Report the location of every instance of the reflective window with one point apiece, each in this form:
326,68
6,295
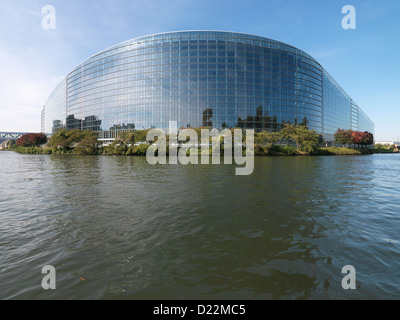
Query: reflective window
201,78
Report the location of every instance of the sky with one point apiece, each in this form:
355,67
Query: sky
365,61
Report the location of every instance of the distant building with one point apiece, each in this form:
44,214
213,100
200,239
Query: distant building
396,143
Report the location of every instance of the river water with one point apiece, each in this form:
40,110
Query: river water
119,228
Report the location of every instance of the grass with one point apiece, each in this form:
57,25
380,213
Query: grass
326,151
384,150
350,151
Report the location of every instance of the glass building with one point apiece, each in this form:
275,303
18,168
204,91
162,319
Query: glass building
201,79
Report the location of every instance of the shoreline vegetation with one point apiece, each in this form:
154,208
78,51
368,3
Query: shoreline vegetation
292,140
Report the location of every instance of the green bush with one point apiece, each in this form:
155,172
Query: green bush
115,150
343,151
260,150
383,150
289,150
140,150
32,150
273,150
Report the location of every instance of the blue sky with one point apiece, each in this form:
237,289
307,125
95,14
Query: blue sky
364,61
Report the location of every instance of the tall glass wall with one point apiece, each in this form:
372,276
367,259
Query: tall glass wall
354,116
336,107
197,78
340,111
365,123
54,110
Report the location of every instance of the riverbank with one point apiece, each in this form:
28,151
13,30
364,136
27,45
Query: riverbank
269,150
291,140
340,151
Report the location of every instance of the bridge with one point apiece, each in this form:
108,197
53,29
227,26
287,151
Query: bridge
14,135
17,135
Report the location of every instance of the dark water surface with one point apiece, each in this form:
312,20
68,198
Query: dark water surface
136,231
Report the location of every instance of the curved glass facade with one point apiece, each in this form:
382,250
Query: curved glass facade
199,78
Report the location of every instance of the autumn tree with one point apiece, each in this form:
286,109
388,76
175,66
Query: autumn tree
343,136
367,138
362,138
32,140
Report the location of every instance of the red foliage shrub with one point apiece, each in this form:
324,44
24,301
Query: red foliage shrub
32,140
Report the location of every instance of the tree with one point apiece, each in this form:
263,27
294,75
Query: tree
32,140
121,143
140,135
304,138
367,138
357,137
84,140
289,132
264,137
310,141
343,136
58,139
88,144
124,138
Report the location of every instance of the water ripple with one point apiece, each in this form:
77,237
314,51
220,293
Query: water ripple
135,231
